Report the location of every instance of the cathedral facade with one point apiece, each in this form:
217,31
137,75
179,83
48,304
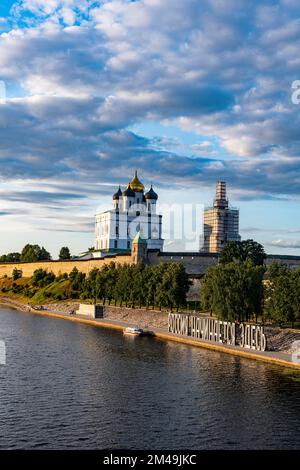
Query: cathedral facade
133,212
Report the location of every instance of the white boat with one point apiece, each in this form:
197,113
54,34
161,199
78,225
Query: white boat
133,331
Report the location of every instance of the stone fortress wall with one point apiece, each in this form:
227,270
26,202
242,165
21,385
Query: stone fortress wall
60,267
196,264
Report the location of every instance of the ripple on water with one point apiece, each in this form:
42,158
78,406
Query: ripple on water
69,386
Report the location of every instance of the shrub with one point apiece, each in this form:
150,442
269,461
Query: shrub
17,274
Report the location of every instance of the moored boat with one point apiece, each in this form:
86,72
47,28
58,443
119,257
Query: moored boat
133,331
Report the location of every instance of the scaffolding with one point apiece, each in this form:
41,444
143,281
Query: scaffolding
221,222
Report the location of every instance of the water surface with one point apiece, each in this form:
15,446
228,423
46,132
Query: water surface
69,385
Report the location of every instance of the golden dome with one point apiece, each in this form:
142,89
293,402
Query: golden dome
136,184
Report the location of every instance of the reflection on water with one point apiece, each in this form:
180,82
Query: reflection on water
69,385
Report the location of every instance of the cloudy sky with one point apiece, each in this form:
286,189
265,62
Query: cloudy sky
188,92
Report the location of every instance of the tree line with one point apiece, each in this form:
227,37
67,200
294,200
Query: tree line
32,253
241,288
164,285
282,294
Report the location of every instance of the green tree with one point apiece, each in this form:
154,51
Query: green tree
243,250
137,293
11,258
282,294
92,286
42,278
296,294
233,291
150,285
73,275
77,280
207,290
17,274
162,284
64,253
108,280
101,284
32,253
181,285
123,284
176,284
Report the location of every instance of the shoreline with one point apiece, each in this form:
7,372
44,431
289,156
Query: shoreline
15,304
274,358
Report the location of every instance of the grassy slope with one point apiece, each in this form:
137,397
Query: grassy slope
57,290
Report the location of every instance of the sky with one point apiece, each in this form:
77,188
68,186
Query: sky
187,92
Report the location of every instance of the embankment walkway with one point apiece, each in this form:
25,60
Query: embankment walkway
275,358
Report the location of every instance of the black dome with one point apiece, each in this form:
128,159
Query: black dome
129,192
151,194
118,194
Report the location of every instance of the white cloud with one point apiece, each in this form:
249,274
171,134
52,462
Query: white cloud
286,243
78,76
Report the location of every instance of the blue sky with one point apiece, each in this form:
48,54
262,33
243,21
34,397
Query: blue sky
187,92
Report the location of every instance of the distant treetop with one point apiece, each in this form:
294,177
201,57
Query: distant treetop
32,253
64,253
243,250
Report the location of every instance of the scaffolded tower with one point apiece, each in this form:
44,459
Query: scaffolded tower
221,223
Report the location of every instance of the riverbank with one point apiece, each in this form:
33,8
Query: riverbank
272,357
16,304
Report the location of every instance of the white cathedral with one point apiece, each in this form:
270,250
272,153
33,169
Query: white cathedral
134,211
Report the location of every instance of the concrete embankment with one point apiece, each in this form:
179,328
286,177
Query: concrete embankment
122,318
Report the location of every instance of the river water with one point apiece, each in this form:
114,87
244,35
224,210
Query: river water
73,386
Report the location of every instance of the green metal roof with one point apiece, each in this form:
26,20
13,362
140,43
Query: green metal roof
139,239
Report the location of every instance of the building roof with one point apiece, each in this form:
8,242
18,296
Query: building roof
128,191
139,239
151,194
136,184
118,194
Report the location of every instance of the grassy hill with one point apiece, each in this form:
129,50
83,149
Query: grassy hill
23,290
